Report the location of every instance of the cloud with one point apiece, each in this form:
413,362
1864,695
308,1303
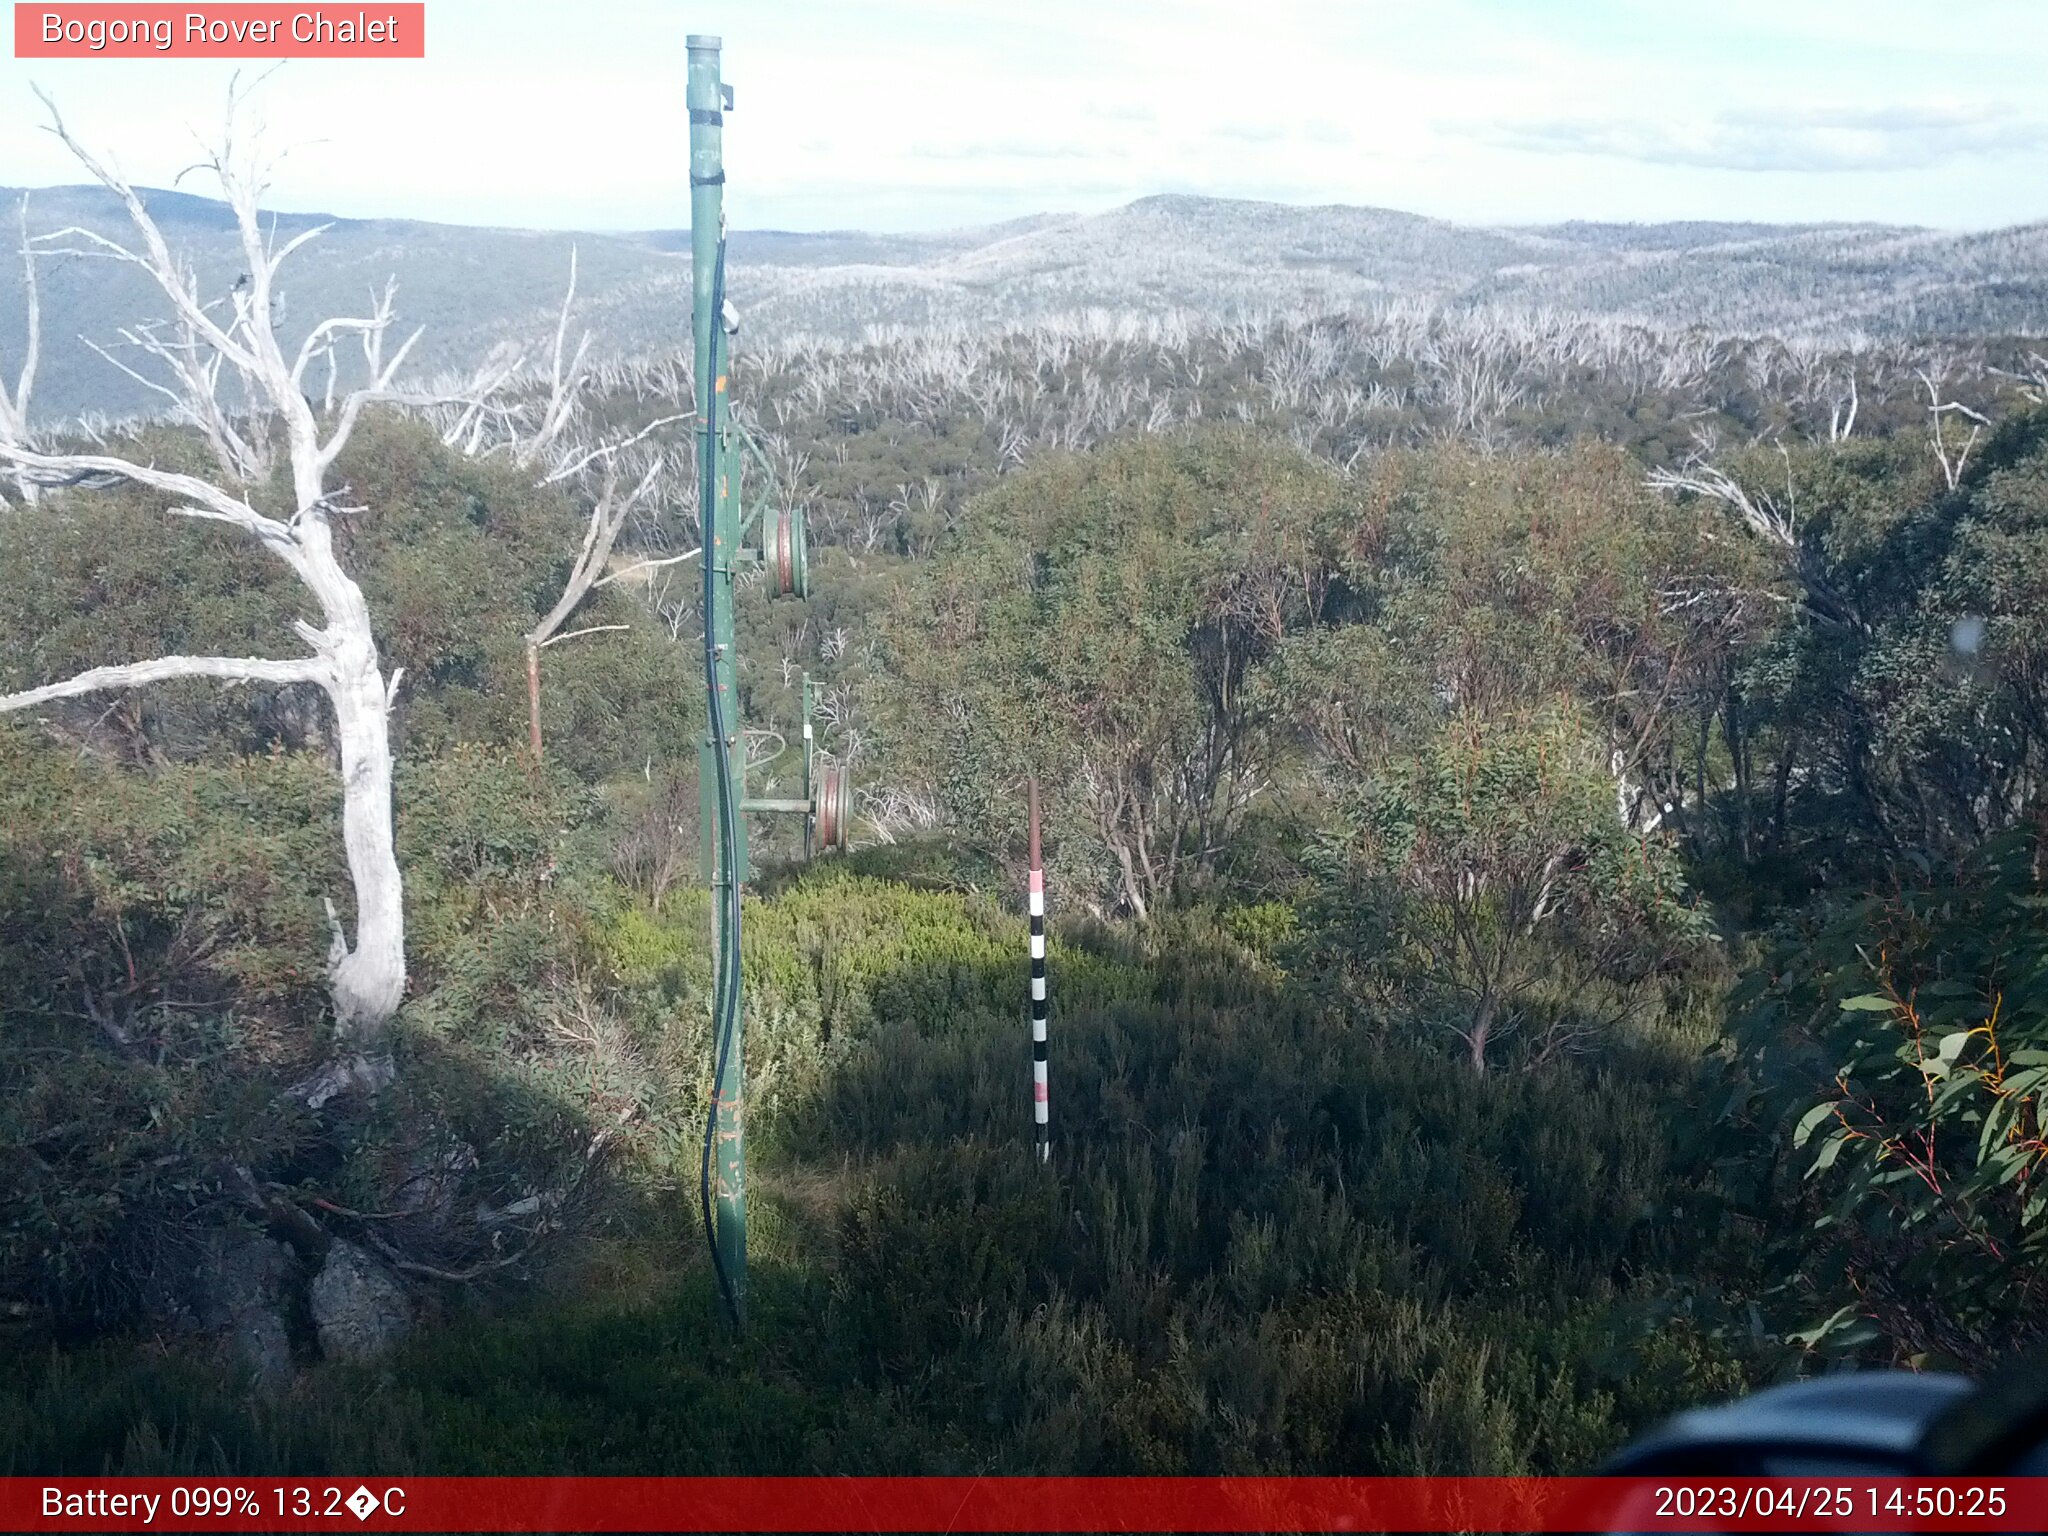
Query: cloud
1859,139
1263,131
1001,149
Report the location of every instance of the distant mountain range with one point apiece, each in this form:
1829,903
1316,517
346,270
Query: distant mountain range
470,287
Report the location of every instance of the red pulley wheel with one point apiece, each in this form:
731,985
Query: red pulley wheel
832,806
783,551
785,556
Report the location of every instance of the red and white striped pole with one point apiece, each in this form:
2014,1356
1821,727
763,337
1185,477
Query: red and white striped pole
1041,1106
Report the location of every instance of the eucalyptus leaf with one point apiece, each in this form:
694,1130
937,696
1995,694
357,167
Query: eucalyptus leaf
1808,1121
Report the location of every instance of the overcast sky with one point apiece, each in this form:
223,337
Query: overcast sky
921,114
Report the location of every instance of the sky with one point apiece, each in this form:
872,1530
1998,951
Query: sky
935,114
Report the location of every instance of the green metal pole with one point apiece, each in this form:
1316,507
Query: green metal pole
726,865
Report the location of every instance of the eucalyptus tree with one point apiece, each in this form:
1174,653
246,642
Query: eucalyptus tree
1496,871
1101,621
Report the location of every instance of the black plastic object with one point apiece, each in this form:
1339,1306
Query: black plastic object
1875,1422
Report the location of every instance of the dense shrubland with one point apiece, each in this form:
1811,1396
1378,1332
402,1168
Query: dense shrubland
1271,1244
1531,951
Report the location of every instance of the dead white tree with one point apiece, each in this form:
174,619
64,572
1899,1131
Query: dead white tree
1953,457
565,383
1764,514
231,378
1772,518
1842,409
2030,378
607,518
608,514
14,404
895,814
487,424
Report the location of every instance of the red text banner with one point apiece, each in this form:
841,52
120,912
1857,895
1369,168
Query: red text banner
235,31
996,1504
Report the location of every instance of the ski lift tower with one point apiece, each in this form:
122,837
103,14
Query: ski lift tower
779,550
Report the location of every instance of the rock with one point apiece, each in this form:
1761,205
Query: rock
367,1075
260,1342
242,1300
234,1285
358,1306
432,1180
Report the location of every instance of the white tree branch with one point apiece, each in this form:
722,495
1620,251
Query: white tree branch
14,406
644,565
209,500
1699,478
141,378
159,264
607,518
378,391
607,450
321,337
565,387
236,669
594,629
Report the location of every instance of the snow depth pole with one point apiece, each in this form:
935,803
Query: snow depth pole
1041,1105
721,755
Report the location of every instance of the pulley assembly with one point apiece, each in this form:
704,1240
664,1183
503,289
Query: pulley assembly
783,554
772,537
831,807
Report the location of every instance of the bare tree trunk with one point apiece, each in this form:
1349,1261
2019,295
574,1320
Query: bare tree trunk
1482,1030
1134,891
1781,791
368,981
533,696
1738,756
14,404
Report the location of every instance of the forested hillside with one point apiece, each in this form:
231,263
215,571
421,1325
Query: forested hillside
1543,836
1189,260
